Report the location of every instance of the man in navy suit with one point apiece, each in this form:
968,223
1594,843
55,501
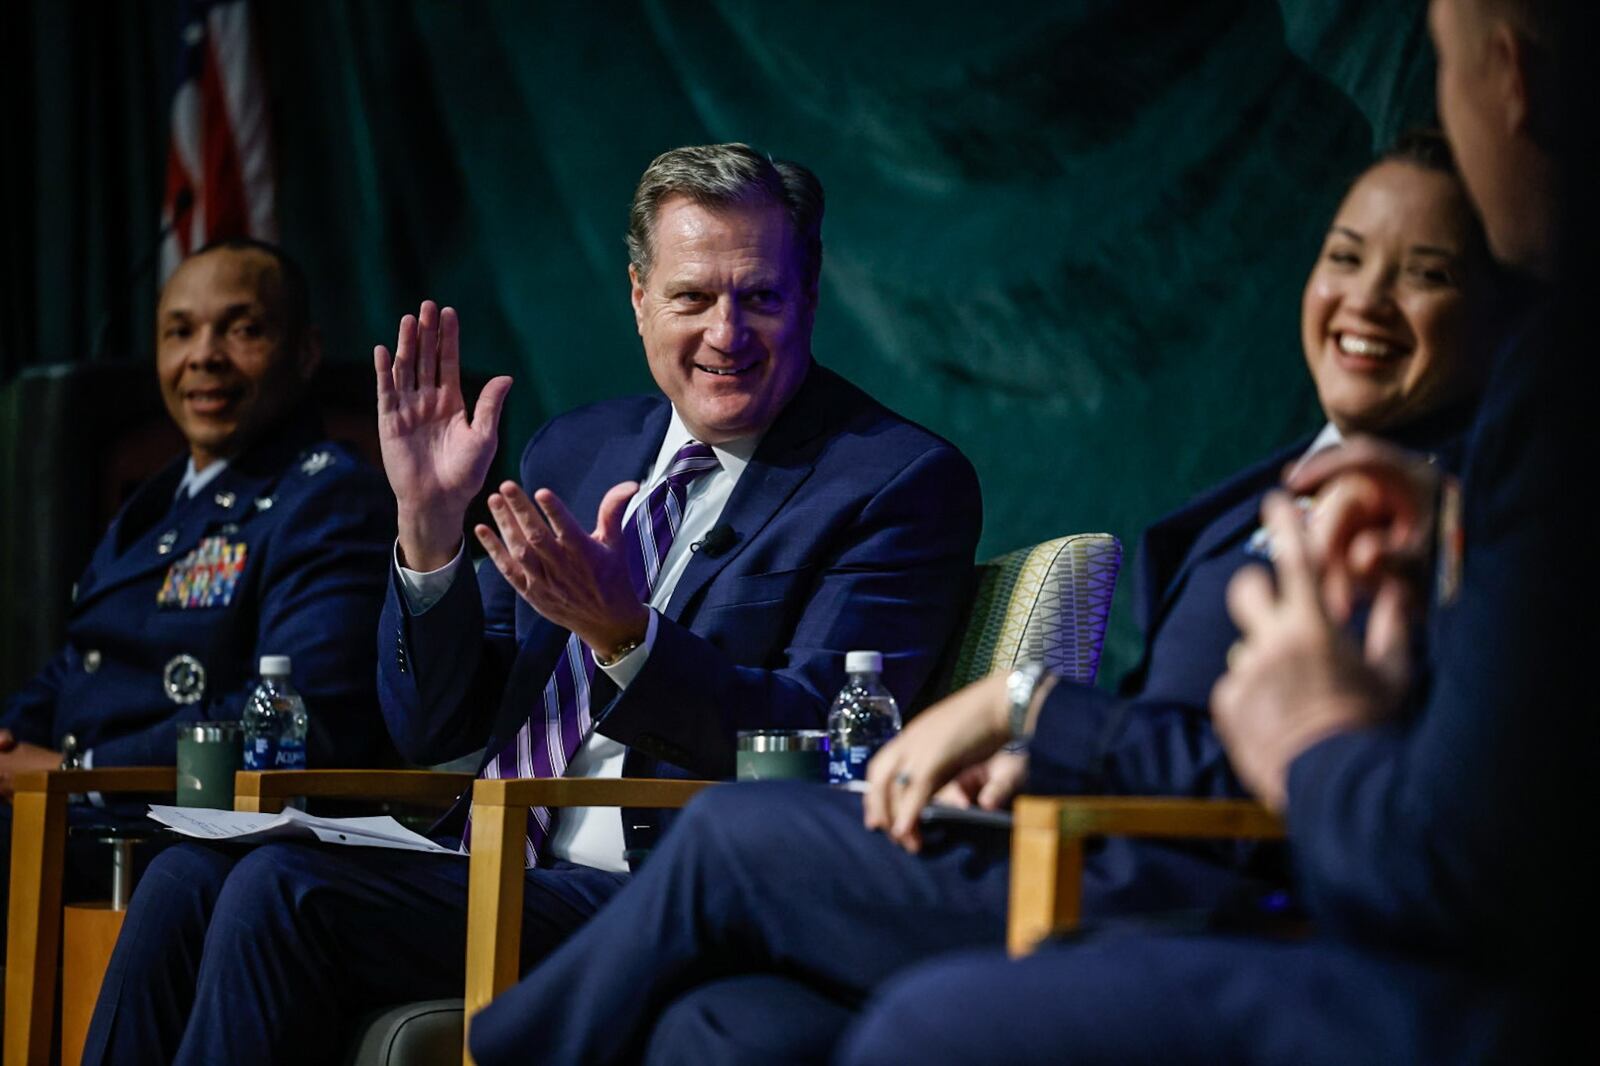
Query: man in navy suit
755,522
264,539
771,914
1436,849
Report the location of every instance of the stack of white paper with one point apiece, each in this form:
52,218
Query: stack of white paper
207,823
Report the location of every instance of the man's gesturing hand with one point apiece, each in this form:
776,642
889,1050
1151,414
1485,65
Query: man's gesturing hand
436,460
1373,520
577,580
1294,677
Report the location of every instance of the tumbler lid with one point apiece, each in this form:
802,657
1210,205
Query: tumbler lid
782,740
211,732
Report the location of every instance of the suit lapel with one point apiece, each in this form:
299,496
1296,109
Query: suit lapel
1214,521
781,464
242,490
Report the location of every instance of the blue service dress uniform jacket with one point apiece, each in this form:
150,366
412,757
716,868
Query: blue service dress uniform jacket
286,552
1435,851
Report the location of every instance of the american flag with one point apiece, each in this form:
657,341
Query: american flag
219,152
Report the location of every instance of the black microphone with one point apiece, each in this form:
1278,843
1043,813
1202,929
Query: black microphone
181,203
717,542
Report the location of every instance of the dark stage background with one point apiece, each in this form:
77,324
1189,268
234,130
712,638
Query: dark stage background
1071,237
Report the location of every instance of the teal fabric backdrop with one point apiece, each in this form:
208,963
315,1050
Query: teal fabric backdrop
1069,236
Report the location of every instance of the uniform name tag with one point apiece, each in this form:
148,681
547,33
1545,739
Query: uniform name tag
205,577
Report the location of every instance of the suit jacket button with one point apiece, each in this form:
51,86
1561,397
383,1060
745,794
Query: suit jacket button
91,661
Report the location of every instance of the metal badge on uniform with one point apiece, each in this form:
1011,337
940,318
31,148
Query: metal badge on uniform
316,463
205,577
184,679
1452,542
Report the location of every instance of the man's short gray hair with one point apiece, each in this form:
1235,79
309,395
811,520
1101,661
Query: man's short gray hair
722,175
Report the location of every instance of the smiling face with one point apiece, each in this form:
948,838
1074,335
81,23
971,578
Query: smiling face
1385,319
224,362
724,315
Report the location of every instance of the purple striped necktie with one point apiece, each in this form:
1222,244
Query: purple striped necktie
548,739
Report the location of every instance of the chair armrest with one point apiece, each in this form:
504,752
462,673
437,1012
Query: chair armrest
38,844
266,790
108,779
1174,817
585,792
495,881
1047,848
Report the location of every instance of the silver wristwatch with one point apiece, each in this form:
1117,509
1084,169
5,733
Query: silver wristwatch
1020,685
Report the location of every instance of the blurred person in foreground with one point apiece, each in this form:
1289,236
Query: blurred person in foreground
266,539
639,649
1435,847
774,913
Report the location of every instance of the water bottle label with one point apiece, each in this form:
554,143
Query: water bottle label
291,755
263,753
849,764
260,753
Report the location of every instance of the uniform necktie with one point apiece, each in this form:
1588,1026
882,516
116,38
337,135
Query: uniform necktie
546,742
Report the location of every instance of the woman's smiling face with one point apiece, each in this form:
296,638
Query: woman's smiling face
1385,320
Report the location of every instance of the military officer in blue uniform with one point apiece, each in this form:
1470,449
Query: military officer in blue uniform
264,539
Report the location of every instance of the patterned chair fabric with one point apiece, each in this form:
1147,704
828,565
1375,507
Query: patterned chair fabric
1048,602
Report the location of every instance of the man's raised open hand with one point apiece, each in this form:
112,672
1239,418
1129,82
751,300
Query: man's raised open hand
435,459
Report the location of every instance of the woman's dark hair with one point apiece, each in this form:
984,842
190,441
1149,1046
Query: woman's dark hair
1427,149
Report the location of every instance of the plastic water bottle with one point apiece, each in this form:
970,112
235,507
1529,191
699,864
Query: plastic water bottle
863,718
275,720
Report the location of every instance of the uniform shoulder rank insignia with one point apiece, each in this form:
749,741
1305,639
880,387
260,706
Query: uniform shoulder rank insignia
316,463
205,577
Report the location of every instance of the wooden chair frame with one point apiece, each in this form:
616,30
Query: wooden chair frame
494,911
1046,859
495,876
1048,834
38,852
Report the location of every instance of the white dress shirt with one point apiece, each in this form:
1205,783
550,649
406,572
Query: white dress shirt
1330,437
592,836
193,481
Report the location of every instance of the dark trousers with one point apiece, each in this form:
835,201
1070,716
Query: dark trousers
768,915
261,955
1191,1000
767,906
